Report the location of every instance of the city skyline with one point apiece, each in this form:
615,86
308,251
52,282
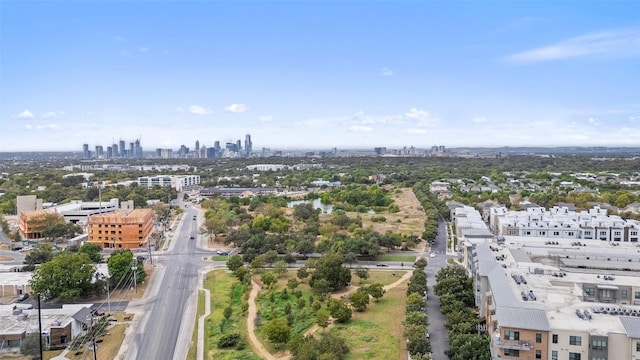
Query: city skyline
319,75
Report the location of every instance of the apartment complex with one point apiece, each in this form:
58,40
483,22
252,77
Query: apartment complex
178,182
121,230
560,222
542,299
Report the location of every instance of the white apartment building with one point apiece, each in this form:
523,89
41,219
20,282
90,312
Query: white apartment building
178,182
562,223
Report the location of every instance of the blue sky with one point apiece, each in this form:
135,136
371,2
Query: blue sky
354,74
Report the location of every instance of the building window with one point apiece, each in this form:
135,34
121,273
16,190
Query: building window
574,356
556,233
543,233
539,338
554,355
599,345
527,232
598,358
511,352
511,335
513,232
587,233
590,291
624,293
638,346
634,233
637,295
538,354
575,340
554,338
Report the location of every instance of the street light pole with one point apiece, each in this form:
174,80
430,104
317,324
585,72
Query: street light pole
40,327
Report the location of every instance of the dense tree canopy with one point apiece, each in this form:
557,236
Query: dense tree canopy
67,276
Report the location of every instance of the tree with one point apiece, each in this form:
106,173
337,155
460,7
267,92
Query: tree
362,273
277,331
280,268
268,279
322,319
30,346
93,251
292,283
421,346
305,247
359,300
227,312
39,255
120,266
340,311
469,346
376,291
420,264
413,331
241,272
416,318
258,262
303,273
68,276
415,302
270,256
321,288
329,267
235,262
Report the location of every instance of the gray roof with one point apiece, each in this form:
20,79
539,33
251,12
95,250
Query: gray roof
477,233
523,318
486,261
520,255
83,315
501,289
631,326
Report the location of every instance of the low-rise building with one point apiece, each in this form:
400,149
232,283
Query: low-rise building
121,230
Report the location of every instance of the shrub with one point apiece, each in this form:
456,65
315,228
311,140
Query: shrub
228,340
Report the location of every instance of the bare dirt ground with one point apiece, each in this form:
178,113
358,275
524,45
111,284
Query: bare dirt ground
409,220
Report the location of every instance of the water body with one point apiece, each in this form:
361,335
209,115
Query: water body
317,204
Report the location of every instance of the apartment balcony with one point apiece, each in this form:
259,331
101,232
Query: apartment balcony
511,344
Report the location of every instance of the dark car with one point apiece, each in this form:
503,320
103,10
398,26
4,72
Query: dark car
192,237
382,265
23,297
97,312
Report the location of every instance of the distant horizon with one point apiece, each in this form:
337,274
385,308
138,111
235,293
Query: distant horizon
318,74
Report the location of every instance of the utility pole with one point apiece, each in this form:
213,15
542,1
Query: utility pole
93,338
40,327
134,268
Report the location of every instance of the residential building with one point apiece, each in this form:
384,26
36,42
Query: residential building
178,182
121,230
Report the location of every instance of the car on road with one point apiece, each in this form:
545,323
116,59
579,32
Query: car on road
222,252
382,265
432,255
192,237
23,296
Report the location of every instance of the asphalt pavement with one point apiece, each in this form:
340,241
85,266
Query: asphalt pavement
163,331
437,332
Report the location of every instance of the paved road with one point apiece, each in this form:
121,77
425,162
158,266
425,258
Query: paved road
437,331
18,257
159,334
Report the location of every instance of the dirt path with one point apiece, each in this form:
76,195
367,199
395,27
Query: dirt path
257,346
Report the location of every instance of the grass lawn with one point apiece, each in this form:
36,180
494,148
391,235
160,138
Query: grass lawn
377,332
107,349
193,349
225,290
385,277
405,258
219,258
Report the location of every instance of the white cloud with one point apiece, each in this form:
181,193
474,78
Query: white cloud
479,119
265,118
593,121
198,110
385,71
634,118
416,131
42,127
144,49
52,115
357,128
179,109
416,114
236,108
612,43
24,115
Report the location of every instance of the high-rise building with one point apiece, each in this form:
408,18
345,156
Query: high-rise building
85,151
238,145
158,152
248,145
122,147
109,152
115,152
99,151
202,153
138,149
197,145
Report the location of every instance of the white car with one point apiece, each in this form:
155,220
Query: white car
432,255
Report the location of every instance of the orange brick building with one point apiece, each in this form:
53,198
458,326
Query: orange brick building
130,230
27,223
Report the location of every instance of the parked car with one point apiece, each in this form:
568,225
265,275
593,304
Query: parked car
222,252
382,265
192,237
23,296
432,255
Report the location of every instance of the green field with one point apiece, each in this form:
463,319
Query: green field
193,353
